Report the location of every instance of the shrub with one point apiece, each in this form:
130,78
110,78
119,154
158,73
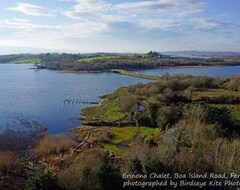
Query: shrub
78,176
82,174
53,145
194,133
167,116
222,116
233,84
94,134
188,92
9,162
135,166
168,94
195,112
109,175
128,103
43,181
161,159
226,155
193,161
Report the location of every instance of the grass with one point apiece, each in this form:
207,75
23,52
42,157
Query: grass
128,135
9,162
114,148
97,58
29,60
93,134
53,145
213,93
115,139
235,110
110,57
135,74
108,111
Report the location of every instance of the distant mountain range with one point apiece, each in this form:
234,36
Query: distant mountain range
201,54
10,50
7,50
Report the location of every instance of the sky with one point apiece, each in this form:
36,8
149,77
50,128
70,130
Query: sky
80,26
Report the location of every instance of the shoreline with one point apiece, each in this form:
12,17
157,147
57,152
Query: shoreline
116,71
79,72
135,73
202,66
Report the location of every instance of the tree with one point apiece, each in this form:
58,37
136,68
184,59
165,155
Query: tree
109,175
135,166
189,92
167,115
128,103
42,180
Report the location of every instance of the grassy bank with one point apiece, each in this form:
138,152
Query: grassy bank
26,60
117,71
135,74
109,111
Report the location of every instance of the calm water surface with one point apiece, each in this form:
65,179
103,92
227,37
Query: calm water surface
31,98
204,71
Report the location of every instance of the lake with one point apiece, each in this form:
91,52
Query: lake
31,99
225,71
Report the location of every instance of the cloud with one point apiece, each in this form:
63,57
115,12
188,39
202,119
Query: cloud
81,29
25,26
202,24
147,14
162,24
20,24
67,0
123,25
90,8
162,7
30,9
23,32
87,8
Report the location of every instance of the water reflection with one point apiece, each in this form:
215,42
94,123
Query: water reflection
225,71
11,140
29,98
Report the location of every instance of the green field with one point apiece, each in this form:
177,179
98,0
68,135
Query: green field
129,133
125,137
135,74
26,60
108,111
97,58
116,139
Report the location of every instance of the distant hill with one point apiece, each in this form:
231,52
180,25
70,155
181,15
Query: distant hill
201,54
111,61
6,50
